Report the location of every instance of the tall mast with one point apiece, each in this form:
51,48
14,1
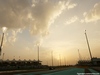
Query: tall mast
88,45
60,59
1,43
79,55
52,57
19,57
65,61
38,53
3,56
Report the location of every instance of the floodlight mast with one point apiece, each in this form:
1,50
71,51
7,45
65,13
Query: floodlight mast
3,56
79,55
60,59
88,45
1,43
38,53
52,57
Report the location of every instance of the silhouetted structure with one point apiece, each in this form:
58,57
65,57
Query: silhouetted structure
93,62
19,64
38,53
1,43
84,63
96,61
52,57
79,55
88,45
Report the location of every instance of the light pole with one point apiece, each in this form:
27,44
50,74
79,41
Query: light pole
88,45
3,56
38,53
65,61
4,30
1,44
79,55
60,59
52,57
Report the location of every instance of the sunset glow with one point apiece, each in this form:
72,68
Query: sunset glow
54,25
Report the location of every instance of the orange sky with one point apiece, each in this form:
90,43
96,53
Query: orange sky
55,25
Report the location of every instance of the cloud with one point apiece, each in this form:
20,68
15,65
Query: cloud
93,14
72,20
13,37
37,15
44,14
34,14
13,13
72,6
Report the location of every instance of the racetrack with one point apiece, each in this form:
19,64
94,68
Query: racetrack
70,71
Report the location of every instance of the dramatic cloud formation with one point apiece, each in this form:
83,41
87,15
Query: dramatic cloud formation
35,14
72,20
43,14
94,14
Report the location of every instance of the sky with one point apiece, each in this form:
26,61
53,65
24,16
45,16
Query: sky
56,26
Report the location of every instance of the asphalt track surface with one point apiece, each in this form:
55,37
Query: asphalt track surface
70,71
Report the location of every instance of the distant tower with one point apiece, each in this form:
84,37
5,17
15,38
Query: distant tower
79,55
38,53
3,56
52,57
19,57
1,43
65,61
14,57
60,59
88,45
